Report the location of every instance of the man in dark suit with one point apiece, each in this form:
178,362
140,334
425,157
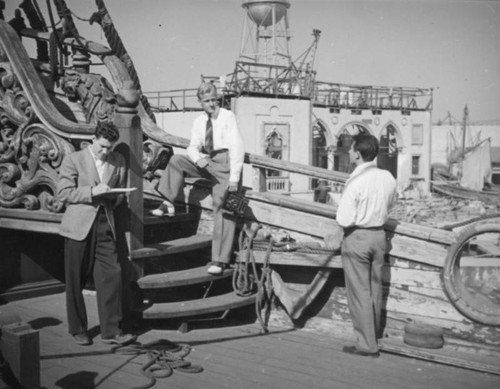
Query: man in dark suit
86,178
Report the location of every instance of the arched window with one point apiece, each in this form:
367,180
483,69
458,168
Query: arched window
319,146
274,149
341,161
388,153
319,154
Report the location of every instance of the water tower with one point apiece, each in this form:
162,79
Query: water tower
265,37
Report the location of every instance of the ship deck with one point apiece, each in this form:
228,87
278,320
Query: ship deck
233,355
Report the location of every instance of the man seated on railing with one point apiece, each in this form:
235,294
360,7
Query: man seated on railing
216,153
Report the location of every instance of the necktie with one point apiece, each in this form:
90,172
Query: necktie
209,137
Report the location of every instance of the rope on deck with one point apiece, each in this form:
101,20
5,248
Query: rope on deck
246,283
163,357
246,277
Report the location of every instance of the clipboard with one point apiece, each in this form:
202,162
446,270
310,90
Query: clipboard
116,191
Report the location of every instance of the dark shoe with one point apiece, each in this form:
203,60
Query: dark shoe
82,339
355,351
120,339
216,268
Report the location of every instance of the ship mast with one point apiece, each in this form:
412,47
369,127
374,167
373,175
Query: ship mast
464,129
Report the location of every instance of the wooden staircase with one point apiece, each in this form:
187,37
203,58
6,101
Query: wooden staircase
185,290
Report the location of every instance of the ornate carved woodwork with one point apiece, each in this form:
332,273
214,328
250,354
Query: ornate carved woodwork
93,92
30,154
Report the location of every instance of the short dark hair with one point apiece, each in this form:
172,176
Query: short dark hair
367,145
107,130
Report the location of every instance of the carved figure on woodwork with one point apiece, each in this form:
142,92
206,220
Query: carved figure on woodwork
93,92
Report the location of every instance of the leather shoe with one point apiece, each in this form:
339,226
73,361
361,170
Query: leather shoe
82,339
120,339
355,351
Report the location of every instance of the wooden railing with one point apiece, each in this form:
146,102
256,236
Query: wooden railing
262,163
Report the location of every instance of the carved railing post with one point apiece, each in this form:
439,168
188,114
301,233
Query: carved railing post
130,146
130,220
81,61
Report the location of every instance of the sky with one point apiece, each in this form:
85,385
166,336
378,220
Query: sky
452,46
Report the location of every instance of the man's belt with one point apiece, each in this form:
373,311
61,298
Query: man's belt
215,152
350,230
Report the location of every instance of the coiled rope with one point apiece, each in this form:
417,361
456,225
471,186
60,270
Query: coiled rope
163,357
246,277
246,283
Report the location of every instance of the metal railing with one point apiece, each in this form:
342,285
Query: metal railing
290,82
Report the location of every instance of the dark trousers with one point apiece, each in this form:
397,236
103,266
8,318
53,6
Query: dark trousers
95,255
172,185
363,254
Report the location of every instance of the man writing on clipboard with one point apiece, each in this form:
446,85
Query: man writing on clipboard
87,178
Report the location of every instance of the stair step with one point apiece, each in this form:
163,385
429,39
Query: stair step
197,307
172,279
150,220
174,246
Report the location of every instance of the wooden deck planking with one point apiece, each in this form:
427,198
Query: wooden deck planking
283,365
272,367
235,357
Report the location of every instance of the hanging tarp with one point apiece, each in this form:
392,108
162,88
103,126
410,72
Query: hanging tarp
476,167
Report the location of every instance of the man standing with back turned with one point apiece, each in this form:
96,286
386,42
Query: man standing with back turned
215,152
368,196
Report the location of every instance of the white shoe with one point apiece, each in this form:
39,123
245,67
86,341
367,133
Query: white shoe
165,209
215,270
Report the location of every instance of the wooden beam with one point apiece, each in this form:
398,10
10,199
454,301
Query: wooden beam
170,247
295,258
318,219
398,347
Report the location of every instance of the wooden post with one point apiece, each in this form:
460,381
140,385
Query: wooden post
259,179
20,345
130,146
130,220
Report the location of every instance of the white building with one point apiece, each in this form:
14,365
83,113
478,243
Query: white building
284,113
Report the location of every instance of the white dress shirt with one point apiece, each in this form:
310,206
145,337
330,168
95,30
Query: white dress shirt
368,197
99,164
225,135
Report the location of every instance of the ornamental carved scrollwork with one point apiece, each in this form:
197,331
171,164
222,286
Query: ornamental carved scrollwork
30,155
98,101
14,105
29,178
93,92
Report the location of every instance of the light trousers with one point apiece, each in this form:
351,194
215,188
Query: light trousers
363,254
171,186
